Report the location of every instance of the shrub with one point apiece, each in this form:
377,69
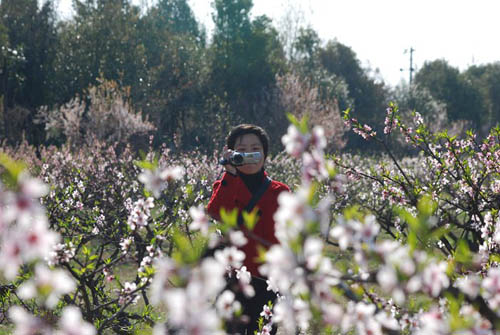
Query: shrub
104,114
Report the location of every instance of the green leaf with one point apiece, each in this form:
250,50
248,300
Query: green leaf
189,191
85,251
250,219
494,258
293,120
346,114
144,164
454,306
185,254
332,171
412,240
229,218
426,206
353,213
439,233
301,125
13,169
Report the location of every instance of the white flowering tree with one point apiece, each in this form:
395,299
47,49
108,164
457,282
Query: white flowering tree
27,242
366,246
97,231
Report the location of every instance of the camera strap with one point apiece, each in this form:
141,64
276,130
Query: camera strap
255,198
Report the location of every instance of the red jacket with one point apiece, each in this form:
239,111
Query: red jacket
231,192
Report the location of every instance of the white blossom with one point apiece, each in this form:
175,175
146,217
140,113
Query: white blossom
491,287
72,323
48,285
295,142
200,219
227,305
469,285
434,278
26,323
230,257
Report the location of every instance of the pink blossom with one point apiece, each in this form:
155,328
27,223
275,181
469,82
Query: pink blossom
127,294
295,142
25,204
190,312
266,330
165,268
293,214
23,244
367,231
72,323
390,123
172,173
47,285
491,287
210,276
291,314
140,213
267,312
230,257
314,166
200,219
226,304
361,316
38,241
26,323
387,278
280,268
152,181
332,313
237,238
125,244
318,139
313,252
10,255
469,285
433,322
156,180
244,279
417,118
108,275
434,278
355,233
343,233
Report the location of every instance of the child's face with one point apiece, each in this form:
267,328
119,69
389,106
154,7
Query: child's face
250,143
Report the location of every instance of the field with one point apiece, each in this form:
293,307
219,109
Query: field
103,239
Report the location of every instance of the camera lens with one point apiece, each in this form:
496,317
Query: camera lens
237,159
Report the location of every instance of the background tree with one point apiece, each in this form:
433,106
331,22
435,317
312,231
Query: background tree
336,70
27,63
486,78
369,96
194,87
246,56
307,45
445,83
330,85
101,40
171,93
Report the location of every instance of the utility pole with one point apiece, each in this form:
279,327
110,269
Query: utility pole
411,69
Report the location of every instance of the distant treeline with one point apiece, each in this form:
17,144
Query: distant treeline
193,87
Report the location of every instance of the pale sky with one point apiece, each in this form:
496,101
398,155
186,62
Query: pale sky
463,32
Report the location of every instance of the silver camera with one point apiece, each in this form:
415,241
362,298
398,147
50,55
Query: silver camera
242,158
